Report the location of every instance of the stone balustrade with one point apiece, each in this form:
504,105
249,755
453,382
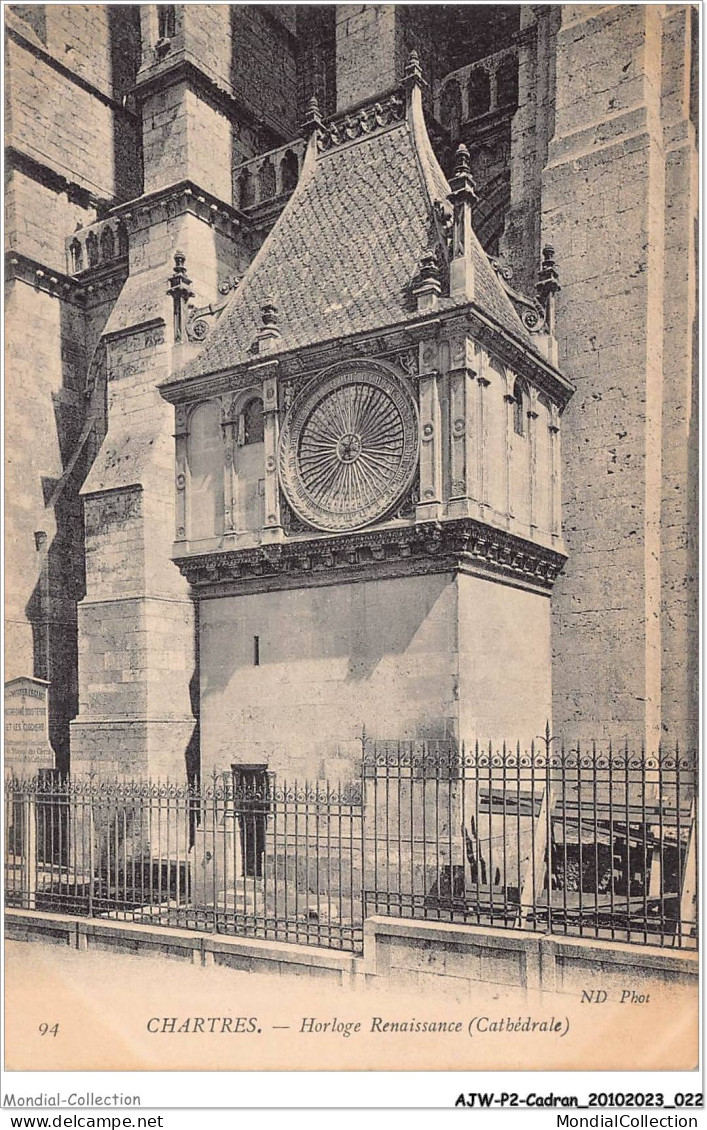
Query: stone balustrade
480,88
268,176
96,246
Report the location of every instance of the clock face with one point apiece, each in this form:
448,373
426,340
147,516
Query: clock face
349,447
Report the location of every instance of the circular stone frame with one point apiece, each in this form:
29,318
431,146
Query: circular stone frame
349,446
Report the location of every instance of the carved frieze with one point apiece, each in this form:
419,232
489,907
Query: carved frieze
361,123
462,544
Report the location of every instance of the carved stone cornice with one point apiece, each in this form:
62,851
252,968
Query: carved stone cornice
361,121
184,197
453,545
400,339
56,283
517,356
52,178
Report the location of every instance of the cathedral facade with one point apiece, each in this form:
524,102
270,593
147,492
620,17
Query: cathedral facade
351,382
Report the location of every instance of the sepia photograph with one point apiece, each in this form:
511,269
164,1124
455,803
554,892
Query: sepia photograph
351,540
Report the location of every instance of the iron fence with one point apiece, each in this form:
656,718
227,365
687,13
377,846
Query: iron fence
579,842
585,843
252,857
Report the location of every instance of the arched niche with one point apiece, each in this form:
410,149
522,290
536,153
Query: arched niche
519,454
289,171
250,465
495,444
479,93
205,456
451,109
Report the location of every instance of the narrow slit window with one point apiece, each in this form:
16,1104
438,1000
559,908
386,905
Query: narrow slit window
167,21
256,651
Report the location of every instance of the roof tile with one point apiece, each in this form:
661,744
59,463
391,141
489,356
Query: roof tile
342,256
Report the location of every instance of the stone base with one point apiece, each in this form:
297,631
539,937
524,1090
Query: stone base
155,749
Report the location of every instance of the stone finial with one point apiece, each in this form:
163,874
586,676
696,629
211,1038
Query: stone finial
180,263
181,292
548,286
269,314
427,285
269,331
462,161
429,267
413,69
462,182
462,196
313,121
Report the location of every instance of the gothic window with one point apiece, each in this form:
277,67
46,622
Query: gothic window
92,249
289,171
507,81
107,243
76,251
205,450
451,109
253,430
122,239
266,181
166,21
246,190
520,402
479,93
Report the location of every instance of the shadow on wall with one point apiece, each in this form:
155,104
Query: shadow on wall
59,564
124,34
192,754
364,623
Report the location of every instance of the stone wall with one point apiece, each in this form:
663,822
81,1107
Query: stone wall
73,147
369,51
410,657
623,595
65,122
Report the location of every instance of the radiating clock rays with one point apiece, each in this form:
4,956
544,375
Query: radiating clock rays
351,448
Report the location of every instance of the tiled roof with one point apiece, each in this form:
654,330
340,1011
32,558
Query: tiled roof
343,254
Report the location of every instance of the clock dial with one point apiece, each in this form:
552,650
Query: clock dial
349,447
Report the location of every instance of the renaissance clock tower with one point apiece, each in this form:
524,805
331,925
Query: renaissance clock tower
368,466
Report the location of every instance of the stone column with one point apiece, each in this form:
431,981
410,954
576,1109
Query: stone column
181,439
555,474
531,131
272,530
679,527
463,430
482,383
430,504
509,401
533,458
229,424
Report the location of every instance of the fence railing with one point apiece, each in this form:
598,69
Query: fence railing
579,842
263,859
